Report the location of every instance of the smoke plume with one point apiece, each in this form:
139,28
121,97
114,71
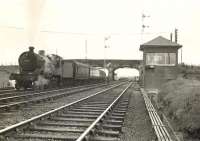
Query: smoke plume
41,82
34,13
48,66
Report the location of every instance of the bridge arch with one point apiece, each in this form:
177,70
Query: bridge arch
136,67
125,72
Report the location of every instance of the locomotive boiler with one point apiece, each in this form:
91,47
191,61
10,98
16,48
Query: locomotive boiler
37,70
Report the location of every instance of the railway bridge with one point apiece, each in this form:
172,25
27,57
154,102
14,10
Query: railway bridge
112,64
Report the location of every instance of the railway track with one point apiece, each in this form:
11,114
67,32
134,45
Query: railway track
7,91
13,92
101,114
23,98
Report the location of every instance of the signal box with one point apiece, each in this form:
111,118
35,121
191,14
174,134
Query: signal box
160,57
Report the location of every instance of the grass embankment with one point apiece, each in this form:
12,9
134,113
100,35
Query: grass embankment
180,101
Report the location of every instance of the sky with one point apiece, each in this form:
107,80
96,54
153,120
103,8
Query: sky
66,26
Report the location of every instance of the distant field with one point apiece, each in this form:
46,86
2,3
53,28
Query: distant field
10,69
189,71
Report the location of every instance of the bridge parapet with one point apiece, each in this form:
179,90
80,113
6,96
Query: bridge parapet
100,62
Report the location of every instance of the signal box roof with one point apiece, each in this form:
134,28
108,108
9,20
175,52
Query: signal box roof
159,42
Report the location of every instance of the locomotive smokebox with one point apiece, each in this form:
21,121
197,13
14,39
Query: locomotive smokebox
31,49
41,52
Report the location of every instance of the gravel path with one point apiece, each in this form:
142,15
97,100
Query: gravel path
137,124
16,116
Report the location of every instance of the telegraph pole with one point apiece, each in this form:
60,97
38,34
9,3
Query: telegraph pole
105,46
143,25
86,51
142,32
176,41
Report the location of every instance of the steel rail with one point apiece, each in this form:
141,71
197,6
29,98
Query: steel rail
52,96
44,115
40,93
43,92
86,132
22,92
4,91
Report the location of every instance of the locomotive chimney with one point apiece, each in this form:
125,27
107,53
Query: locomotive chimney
41,52
31,49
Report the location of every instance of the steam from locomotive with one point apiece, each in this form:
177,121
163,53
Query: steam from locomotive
34,15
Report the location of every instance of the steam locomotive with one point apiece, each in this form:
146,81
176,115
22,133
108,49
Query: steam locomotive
42,71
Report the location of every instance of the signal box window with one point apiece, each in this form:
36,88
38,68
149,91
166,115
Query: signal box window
162,59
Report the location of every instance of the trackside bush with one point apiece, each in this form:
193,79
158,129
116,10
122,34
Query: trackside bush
180,101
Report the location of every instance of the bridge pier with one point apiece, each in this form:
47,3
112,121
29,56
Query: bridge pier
111,73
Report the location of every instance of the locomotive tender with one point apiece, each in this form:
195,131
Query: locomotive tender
40,71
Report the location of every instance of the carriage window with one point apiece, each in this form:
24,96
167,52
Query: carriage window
161,59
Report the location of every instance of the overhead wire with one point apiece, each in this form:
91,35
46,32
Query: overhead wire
86,34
